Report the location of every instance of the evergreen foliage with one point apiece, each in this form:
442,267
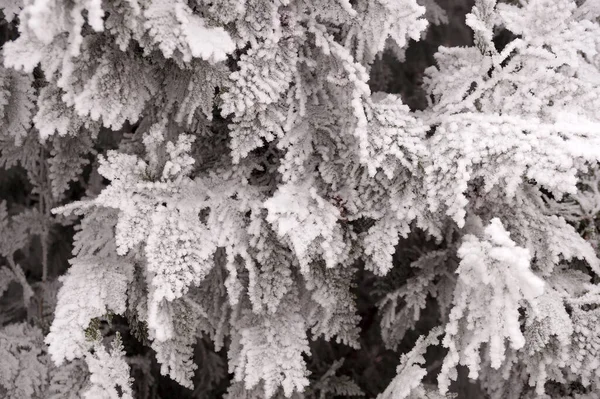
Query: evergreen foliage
299,199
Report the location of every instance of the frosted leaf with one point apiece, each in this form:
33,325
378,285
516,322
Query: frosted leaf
256,95
257,20
175,28
585,344
125,22
493,278
547,319
193,91
265,73
582,205
380,244
333,312
270,348
273,276
538,18
404,205
23,53
301,216
175,354
292,180
464,149
481,20
179,251
528,92
88,87
549,237
47,19
179,162
109,373
394,138
103,284
378,20
458,69
137,207
410,371
54,116
211,44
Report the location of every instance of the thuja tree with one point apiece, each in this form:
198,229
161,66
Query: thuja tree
299,198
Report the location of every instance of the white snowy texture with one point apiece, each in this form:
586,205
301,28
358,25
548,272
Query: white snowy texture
109,373
254,189
91,289
493,278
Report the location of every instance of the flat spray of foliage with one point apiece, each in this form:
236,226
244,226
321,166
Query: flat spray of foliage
300,199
